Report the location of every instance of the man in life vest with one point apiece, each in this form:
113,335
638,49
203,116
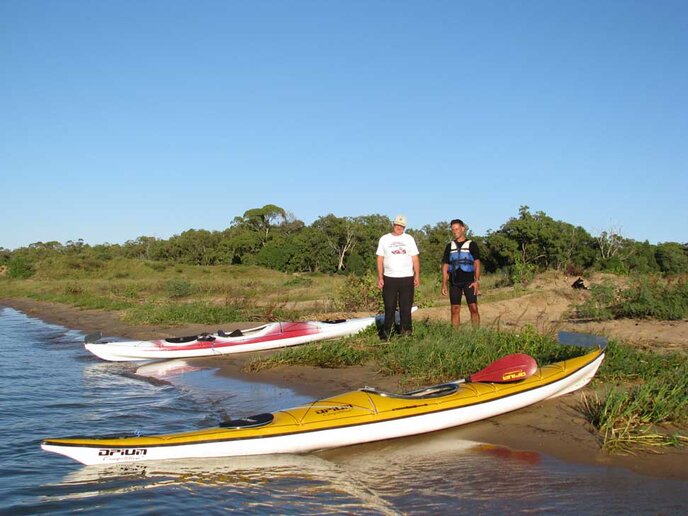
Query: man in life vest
461,268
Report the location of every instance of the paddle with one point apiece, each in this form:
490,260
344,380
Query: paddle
584,340
92,338
510,368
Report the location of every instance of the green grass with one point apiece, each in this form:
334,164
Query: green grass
631,365
639,416
435,353
645,396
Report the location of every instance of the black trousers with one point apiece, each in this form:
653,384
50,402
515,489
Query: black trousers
398,291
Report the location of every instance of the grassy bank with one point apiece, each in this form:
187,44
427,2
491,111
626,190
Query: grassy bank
158,293
148,292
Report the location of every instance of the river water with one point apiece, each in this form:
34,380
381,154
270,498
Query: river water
50,386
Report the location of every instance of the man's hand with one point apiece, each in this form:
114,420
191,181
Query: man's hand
444,290
380,282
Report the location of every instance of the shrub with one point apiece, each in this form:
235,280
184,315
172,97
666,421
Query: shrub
20,268
646,296
157,266
73,289
598,306
522,273
298,281
359,294
177,288
652,297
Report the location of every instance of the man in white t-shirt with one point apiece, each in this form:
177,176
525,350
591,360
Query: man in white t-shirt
398,273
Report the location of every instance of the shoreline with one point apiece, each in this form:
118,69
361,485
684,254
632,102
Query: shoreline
554,427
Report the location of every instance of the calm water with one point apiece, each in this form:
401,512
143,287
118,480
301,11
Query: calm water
52,387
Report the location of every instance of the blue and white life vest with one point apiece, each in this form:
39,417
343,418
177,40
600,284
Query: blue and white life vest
460,258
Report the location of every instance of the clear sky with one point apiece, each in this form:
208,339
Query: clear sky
125,118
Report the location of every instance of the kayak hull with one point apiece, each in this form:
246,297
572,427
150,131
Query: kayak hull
356,417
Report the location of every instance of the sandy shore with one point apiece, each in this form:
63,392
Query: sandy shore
554,427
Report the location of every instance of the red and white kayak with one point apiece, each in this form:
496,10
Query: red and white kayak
269,336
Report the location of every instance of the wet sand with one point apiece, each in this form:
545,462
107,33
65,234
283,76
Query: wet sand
554,427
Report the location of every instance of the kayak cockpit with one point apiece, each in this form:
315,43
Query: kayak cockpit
249,422
436,391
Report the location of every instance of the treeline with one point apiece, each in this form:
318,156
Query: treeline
273,238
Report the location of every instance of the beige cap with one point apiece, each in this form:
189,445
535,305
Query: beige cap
400,220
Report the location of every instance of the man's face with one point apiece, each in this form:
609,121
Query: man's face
458,231
397,229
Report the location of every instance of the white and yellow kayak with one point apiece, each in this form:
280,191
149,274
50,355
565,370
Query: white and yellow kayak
356,417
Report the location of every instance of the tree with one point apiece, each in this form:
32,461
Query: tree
262,220
310,252
541,241
142,248
672,257
239,244
641,257
610,243
431,241
340,235
194,247
276,254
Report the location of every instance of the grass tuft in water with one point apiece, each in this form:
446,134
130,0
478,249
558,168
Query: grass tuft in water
628,419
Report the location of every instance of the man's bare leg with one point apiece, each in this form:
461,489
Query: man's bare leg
475,315
456,316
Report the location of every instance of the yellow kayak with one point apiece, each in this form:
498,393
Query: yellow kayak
360,416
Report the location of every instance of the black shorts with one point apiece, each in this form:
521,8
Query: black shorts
455,292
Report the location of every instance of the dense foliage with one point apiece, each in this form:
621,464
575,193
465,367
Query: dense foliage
273,238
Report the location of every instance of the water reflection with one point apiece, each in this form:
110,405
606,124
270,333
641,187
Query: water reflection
274,479
167,369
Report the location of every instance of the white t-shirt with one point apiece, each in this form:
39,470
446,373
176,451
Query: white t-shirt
397,252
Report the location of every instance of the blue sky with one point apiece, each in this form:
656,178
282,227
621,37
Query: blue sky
127,118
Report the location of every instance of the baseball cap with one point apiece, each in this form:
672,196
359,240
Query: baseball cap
400,220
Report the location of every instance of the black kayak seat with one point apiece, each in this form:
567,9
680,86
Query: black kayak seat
249,422
180,340
235,333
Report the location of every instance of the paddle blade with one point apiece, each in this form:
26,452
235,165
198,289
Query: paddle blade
510,368
585,340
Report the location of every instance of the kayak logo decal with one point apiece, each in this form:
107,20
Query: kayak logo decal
338,408
512,375
124,452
